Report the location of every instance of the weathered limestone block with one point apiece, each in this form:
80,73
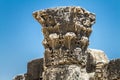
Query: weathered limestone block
65,29
60,57
113,70
66,72
35,69
96,64
98,56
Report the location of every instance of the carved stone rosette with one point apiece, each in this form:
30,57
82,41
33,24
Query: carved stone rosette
66,38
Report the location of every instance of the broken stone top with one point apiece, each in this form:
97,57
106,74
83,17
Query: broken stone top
66,33
64,16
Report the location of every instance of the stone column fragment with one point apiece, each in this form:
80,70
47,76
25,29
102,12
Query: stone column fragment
66,37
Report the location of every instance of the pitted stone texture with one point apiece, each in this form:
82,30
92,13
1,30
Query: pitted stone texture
61,57
113,70
66,72
65,16
66,38
66,34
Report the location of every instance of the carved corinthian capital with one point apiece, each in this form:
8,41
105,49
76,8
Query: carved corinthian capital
66,37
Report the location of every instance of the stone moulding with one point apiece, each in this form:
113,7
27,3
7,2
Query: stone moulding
66,33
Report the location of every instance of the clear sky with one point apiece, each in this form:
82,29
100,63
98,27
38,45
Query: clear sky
21,37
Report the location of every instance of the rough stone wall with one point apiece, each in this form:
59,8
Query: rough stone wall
67,57
113,70
35,69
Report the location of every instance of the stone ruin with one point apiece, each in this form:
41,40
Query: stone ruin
67,56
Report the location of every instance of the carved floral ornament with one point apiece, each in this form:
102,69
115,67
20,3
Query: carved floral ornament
66,33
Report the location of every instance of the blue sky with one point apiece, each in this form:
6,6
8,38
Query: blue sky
21,37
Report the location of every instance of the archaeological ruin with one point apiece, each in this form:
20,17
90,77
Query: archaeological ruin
66,33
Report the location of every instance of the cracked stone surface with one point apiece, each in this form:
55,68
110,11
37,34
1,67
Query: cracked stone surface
66,33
